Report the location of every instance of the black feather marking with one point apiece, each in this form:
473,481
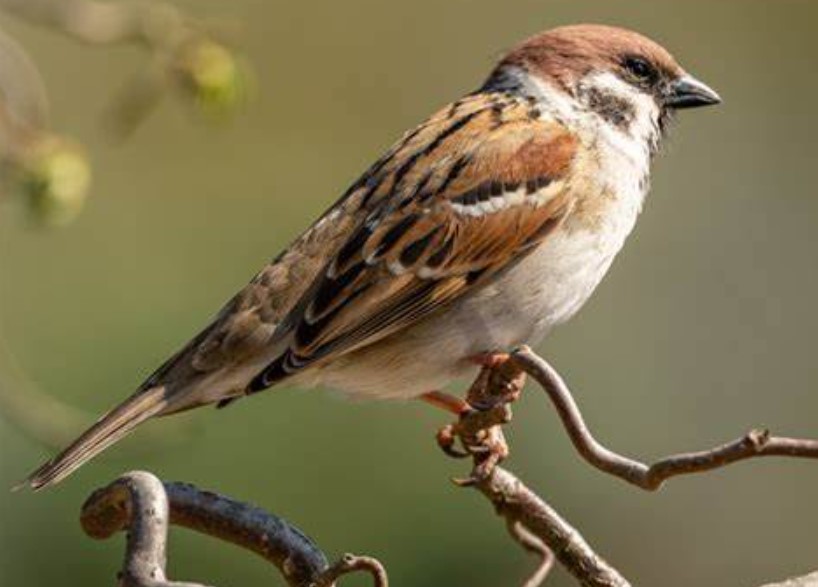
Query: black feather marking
497,109
372,184
414,251
481,193
352,247
440,256
531,186
225,402
453,108
405,168
417,193
408,305
454,172
307,332
475,275
468,198
330,288
272,374
450,130
394,234
373,177
384,161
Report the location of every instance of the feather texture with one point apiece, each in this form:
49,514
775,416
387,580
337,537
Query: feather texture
457,201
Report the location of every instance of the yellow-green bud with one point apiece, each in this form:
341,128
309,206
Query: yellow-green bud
54,175
215,77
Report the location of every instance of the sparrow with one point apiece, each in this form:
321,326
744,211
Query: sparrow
479,230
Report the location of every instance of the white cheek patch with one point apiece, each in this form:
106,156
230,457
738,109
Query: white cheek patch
645,110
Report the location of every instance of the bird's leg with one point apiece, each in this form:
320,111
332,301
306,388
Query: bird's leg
447,436
500,381
450,403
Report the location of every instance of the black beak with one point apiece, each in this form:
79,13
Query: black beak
688,92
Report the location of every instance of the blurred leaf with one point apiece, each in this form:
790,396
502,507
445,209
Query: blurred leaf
54,176
214,76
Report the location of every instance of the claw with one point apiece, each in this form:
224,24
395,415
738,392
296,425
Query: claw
490,360
464,481
446,439
479,450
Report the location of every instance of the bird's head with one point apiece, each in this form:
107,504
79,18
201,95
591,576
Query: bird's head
627,79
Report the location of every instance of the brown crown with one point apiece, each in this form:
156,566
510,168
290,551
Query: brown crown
567,53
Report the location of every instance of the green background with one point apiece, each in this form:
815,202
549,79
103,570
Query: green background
705,327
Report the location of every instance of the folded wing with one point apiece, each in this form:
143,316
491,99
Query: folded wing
461,199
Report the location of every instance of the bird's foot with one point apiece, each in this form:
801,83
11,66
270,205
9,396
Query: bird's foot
500,381
479,427
492,450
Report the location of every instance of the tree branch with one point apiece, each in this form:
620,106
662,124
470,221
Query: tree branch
136,501
519,505
105,23
756,443
142,504
498,385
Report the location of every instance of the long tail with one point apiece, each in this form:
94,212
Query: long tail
110,428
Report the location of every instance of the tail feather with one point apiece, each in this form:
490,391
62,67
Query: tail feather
107,430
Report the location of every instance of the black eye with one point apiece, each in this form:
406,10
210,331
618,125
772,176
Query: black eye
640,69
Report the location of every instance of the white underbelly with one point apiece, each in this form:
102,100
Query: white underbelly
544,289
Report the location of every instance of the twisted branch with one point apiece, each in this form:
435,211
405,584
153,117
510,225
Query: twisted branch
142,504
498,385
756,443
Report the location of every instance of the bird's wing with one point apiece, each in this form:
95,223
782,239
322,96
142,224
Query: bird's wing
453,204
449,206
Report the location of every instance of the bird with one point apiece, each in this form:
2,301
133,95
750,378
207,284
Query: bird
481,229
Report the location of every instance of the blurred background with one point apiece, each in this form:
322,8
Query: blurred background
704,328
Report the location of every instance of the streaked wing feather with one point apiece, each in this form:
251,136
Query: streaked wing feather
459,201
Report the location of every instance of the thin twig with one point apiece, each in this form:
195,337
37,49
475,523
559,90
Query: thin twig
139,502
518,504
756,443
351,563
95,22
498,385
532,543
